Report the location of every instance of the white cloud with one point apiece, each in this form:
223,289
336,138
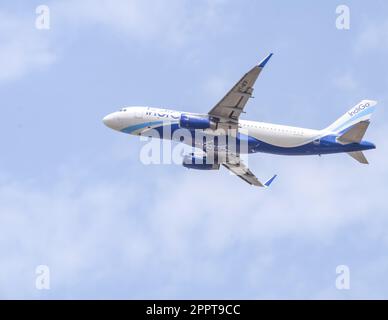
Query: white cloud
95,233
373,38
345,82
22,47
170,24
68,229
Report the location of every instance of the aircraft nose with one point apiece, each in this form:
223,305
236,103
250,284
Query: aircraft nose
110,121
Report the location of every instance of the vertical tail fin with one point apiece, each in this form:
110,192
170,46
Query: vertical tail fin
361,112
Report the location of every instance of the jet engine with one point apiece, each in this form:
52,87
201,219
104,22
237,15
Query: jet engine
189,121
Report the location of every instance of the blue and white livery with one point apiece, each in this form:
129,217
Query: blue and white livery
222,136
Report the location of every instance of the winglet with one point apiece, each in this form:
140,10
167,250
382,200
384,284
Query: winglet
268,183
264,62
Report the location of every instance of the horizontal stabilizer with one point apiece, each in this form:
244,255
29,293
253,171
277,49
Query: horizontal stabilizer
354,134
359,156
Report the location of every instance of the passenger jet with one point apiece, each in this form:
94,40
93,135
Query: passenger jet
223,134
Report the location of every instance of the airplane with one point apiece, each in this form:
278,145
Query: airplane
223,122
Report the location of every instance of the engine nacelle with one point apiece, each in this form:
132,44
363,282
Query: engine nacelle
189,121
199,163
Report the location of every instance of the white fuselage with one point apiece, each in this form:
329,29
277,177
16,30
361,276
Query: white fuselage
139,120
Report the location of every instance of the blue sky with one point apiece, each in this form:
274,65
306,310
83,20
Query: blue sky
74,195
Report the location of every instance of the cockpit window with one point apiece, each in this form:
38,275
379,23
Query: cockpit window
123,109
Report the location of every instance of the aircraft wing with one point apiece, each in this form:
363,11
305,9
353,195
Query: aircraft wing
230,107
235,164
